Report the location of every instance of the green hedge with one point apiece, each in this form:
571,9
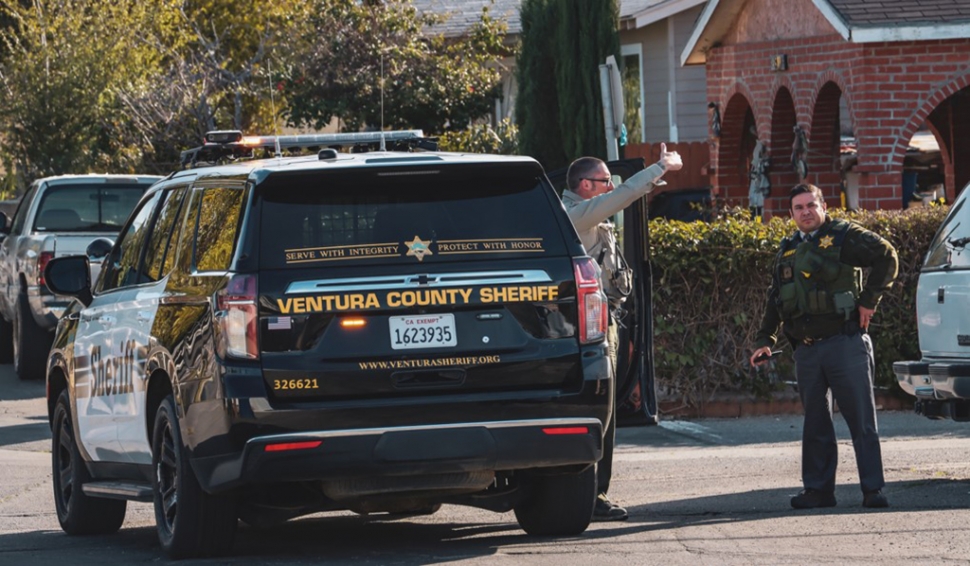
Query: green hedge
710,281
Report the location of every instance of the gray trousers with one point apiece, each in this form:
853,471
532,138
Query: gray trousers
604,469
841,366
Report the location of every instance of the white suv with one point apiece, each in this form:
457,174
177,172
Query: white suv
941,380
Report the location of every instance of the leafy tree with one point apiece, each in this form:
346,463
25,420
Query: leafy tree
430,82
125,85
56,79
559,111
214,73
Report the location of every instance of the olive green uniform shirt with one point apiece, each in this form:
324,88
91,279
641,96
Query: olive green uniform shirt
860,248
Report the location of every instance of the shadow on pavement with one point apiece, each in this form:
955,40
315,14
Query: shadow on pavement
775,429
22,433
347,539
14,389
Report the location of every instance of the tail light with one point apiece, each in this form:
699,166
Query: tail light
239,319
42,261
593,310
558,431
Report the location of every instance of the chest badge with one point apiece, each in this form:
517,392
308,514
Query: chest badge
825,242
786,273
418,248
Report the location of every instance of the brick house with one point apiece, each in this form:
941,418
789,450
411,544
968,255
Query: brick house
875,72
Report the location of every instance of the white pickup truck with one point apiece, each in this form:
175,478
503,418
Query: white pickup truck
57,216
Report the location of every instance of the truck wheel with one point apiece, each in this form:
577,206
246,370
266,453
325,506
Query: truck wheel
190,522
6,341
31,343
557,505
78,513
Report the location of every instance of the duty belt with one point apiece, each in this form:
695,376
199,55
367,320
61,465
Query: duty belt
849,329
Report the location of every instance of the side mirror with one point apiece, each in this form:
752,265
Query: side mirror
4,223
71,276
98,249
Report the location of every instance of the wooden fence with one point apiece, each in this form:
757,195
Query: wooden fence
696,156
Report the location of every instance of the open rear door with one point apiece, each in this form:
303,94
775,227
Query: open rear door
636,390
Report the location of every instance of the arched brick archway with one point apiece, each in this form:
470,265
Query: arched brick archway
735,147
947,114
823,141
783,120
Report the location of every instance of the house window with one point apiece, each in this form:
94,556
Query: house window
632,74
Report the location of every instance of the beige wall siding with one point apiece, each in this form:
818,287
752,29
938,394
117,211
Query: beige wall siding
690,100
656,82
691,83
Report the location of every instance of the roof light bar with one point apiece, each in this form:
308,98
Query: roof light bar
223,136
232,144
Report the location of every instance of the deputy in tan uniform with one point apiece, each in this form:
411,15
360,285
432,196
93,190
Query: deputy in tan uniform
590,201
818,297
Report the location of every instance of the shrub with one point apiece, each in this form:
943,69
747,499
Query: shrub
710,283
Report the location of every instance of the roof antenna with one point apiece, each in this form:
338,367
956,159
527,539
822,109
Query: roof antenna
272,102
383,148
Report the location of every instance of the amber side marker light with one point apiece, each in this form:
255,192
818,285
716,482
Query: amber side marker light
285,446
352,323
567,430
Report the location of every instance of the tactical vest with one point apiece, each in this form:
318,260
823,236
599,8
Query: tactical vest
812,280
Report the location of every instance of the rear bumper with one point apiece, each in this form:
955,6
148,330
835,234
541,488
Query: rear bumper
942,389
46,308
406,451
934,380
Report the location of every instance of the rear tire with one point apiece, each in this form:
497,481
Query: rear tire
31,343
557,505
78,513
190,522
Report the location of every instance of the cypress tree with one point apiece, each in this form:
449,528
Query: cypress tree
559,109
537,106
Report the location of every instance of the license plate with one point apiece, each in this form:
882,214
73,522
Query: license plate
427,331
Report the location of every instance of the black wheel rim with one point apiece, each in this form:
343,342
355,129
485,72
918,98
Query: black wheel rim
167,470
64,463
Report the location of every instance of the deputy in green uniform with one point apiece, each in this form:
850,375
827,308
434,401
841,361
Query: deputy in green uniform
590,201
818,296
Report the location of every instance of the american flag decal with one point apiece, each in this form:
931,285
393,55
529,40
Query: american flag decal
279,323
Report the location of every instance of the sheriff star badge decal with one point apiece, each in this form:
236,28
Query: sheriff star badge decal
418,248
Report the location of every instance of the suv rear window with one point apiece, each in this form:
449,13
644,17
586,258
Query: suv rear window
431,215
87,207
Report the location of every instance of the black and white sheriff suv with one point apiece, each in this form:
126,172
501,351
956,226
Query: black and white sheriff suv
379,331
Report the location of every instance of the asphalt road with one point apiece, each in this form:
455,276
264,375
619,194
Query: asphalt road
699,492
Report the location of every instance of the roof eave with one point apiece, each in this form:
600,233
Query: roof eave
662,11
833,17
693,54
924,32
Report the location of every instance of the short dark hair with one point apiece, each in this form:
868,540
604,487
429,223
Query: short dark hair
581,169
803,188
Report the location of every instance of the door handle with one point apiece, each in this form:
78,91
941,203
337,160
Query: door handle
940,295
106,320
143,316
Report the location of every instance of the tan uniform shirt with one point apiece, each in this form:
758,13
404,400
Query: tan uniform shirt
591,219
